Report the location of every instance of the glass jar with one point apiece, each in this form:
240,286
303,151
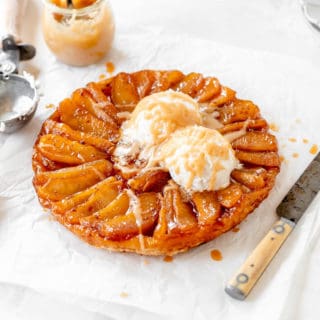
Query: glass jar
78,37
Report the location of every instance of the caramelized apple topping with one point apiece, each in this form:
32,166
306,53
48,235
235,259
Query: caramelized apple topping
142,210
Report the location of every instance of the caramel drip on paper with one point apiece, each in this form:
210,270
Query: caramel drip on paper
314,149
216,255
124,294
168,259
236,229
110,67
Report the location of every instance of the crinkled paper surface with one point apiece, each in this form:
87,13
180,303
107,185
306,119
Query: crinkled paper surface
37,252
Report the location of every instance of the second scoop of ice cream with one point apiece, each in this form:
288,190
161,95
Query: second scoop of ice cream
198,158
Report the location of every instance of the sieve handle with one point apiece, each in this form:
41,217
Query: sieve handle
13,13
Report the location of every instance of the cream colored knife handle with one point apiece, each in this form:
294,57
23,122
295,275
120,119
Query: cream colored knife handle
244,280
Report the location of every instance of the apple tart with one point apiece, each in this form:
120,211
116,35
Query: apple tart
154,162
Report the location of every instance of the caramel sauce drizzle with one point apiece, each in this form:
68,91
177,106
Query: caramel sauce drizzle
136,209
274,127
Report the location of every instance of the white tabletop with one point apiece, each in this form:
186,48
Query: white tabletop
272,26
275,26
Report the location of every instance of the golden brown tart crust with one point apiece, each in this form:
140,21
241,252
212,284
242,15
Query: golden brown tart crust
76,179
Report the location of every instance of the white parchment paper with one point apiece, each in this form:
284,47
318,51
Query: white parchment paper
37,252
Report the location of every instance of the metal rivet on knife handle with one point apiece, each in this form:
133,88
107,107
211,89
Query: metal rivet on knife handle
244,280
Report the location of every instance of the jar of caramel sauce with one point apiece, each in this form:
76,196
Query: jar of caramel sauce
78,35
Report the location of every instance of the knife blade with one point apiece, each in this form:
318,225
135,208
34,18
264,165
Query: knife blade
296,202
290,210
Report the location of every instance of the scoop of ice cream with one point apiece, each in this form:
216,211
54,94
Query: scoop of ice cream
198,158
154,119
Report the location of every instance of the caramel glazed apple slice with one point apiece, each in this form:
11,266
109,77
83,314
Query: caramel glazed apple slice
146,212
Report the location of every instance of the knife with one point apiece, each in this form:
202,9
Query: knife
289,211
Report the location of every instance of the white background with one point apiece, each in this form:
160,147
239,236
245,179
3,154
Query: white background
269,26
